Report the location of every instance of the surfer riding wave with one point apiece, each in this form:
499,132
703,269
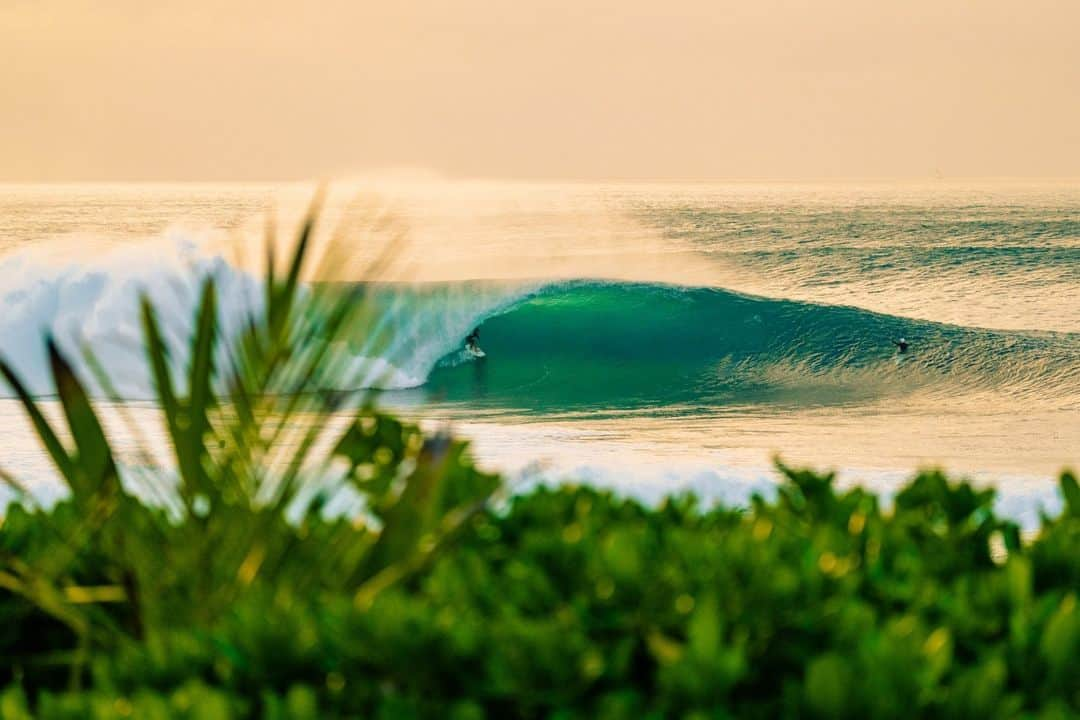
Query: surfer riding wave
472,343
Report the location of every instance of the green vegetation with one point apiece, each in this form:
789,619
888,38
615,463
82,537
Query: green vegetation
224,588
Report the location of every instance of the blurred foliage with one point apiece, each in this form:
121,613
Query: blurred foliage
567,602
227,590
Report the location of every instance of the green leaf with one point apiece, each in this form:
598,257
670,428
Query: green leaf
271,261
158,358
13,705
175,421
202,357
284,297
65,464
704,632
828,683
1060,643
1071,492
95,460
201,393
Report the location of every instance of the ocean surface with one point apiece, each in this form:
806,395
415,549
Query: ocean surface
654,338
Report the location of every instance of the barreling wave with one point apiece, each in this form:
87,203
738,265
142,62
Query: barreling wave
552,346
603,344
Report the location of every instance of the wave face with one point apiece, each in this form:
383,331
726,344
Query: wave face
584,344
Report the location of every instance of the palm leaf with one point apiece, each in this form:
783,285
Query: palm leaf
158,359
65,464
95,460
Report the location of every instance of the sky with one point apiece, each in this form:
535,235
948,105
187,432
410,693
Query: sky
127,90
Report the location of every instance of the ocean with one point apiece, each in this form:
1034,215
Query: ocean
653,338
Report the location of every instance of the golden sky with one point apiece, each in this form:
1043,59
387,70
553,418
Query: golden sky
560,89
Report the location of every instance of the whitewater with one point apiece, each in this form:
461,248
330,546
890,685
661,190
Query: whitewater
651,337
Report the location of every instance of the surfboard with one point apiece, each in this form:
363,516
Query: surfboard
475,351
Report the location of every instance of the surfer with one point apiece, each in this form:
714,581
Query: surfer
901,345
472,343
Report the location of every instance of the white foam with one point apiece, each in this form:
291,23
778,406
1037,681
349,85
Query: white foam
94,303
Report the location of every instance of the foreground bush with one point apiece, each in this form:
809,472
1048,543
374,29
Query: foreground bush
572,602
